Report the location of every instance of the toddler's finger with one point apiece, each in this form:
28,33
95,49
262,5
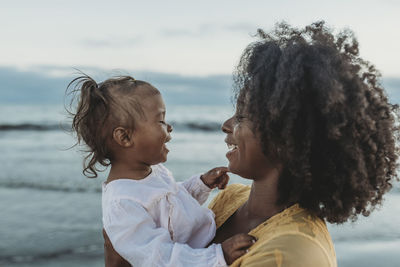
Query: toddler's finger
223,181
220,170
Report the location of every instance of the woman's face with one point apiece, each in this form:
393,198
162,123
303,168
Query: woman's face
245,154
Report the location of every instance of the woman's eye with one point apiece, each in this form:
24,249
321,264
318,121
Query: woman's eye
239,118
163,122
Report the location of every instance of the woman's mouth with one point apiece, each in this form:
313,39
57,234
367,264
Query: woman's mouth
231,150
232,147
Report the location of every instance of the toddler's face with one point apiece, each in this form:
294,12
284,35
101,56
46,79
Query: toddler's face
152,133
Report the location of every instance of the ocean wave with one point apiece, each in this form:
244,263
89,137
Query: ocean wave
32,127
48,187
80,189
78,253
188,125
201,126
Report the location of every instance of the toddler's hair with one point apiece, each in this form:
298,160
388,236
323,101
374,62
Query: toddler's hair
99,109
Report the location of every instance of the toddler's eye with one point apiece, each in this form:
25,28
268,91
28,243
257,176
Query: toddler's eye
163,122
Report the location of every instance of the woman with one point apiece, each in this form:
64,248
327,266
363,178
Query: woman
314,131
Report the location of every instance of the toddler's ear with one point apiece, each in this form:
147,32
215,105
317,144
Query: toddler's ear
123,136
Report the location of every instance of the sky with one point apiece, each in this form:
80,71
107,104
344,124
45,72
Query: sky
195,38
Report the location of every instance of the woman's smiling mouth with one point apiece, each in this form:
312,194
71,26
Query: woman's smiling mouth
232,147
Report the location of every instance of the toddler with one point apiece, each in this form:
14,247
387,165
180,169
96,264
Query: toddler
150,219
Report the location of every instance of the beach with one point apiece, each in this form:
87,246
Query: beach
52,213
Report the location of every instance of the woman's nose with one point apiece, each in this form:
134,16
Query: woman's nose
227,126
169,127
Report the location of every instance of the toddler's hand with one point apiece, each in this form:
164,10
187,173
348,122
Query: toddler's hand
236,246
216,177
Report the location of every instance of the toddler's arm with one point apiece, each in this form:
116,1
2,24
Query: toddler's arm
200,186
135,236
196,187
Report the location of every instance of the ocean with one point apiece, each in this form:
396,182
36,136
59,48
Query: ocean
51,213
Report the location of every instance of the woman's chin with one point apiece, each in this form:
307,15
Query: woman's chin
232,169
242,173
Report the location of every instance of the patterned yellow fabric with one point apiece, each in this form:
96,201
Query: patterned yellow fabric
293,237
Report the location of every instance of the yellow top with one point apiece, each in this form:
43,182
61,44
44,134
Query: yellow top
293,237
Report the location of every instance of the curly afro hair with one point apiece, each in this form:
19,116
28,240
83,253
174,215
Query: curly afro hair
321,112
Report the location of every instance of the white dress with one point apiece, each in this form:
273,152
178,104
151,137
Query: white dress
159,222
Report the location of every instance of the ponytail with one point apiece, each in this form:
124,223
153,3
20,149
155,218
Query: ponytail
89,120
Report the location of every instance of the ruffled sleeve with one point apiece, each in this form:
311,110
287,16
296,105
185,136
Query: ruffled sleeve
195,186
135,236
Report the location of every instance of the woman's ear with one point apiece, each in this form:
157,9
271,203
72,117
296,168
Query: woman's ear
123,136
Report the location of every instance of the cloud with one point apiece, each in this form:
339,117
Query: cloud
30,87
392,87
39,85
112,42
209,29
36,87
199,31
391,2
178,33
241,28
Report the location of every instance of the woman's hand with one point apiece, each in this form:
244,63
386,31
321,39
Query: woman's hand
216,177
111,257
236,246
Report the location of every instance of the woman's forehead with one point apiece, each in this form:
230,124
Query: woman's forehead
242,101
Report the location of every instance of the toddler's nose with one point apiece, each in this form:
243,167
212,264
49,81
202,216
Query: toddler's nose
169,127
